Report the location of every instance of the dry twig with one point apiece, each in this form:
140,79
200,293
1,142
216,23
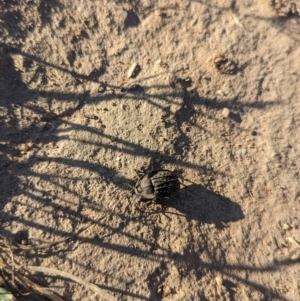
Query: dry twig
91,286
14,271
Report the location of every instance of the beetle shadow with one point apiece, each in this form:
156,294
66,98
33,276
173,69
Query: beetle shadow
203,205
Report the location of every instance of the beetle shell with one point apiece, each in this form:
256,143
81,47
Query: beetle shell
157,184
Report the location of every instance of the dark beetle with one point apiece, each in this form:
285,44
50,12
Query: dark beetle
157,184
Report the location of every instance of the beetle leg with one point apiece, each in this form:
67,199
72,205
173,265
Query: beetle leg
165,214
188,181
185,186
139,172
147,202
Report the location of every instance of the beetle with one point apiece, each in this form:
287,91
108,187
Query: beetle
157,184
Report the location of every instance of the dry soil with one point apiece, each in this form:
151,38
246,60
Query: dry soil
214,97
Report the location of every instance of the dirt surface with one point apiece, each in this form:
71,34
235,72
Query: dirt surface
214,96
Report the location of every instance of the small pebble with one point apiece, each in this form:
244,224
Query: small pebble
294,243
131,70
220,92
101,88
24,148
166,291
159,12
295,254
225,113
266,168
219,280
158,62
286,226
162,139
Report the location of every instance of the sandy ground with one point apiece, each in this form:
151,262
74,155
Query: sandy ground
74,128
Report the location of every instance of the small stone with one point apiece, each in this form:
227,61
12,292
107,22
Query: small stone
30,144
158,12
132,69
24,147
294,243
225,113
159,290
101,88
220,92
167,291
286,226
162,139
219,280
23,242
295,254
